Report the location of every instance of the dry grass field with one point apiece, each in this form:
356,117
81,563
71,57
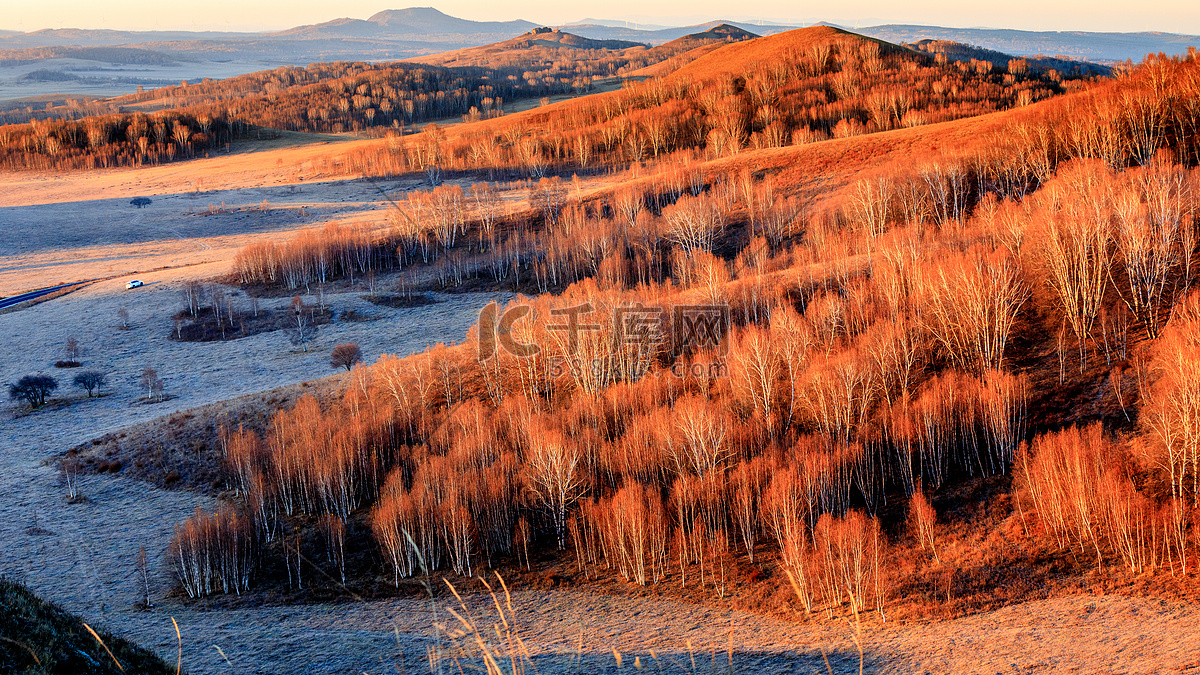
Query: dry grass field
66,227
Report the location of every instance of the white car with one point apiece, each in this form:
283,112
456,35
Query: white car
133,284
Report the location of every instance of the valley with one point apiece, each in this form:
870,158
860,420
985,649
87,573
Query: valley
553,351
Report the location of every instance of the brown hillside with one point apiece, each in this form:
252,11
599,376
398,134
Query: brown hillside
682,51
742,56
792,89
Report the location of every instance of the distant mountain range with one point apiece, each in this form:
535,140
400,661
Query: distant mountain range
414,23
391,34
617,23
83,37
1078,45
660,35
405,33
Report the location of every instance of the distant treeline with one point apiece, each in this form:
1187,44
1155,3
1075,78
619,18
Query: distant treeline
114,140
829,90
326,97
347,96
128,55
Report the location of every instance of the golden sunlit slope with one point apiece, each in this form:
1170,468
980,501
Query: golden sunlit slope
742,56
674,63
821,172
792,89
684,50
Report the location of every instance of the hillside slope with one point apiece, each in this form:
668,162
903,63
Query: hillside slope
788,89
535,47
786,46
669,57
39,637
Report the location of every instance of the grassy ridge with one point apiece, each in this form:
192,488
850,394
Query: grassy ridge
39,637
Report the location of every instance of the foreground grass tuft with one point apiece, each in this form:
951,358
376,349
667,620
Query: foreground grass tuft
38,637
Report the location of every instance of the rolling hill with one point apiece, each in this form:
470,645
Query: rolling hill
787,90
418,31
535,46
657,36
670,56
113,55
541,46
717,34
81,37
427,20
741,56
807,84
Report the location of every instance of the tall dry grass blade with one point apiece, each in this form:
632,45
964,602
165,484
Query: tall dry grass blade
110,654
507,595
496,602
24,646
179,641
825,657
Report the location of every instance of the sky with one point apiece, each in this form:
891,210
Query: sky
1175,16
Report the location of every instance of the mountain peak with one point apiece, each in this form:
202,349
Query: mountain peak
431,20
410,16
725,30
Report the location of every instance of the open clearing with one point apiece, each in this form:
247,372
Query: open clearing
67,227
63,227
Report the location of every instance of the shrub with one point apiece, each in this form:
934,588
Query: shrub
90,380
345,356
33,389
40,637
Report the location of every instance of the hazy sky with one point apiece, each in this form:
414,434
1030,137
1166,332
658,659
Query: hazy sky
1176,16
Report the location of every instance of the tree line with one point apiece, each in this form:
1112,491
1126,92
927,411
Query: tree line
834,89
